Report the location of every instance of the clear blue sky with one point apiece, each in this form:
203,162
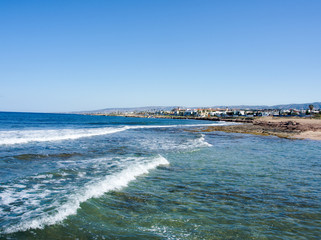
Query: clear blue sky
84,55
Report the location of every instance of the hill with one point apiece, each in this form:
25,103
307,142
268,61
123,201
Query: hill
317,105
300,106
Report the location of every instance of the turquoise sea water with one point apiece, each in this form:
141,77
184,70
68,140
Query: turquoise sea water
94,177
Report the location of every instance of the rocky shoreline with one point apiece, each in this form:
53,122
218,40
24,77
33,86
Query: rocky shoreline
283,127
291,128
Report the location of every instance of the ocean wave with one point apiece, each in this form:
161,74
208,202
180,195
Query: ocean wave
203,142
38,217
27,136
171,144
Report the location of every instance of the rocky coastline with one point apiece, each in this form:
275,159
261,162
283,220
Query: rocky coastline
283,127
291,128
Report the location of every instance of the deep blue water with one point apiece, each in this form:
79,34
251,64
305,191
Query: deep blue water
94,177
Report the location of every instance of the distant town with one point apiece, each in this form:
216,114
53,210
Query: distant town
218,112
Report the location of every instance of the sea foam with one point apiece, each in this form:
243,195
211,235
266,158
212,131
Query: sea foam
93,189
27,136
171,144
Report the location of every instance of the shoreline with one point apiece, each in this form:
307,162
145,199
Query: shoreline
283,127
290,128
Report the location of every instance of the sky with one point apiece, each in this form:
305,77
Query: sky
58,56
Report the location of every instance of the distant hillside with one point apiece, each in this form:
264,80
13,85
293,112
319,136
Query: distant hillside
301,106
317,105
134,109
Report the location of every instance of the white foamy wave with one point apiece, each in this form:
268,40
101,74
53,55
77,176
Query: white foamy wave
202,141
26,136
184,125
93,189
174,144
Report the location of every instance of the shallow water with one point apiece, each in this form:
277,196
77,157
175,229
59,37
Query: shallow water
95,177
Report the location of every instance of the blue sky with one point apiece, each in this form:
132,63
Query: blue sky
86,55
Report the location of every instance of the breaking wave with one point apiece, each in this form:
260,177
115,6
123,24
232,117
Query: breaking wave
26,136
170,144
33,219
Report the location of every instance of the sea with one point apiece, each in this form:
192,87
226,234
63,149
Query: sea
68,176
